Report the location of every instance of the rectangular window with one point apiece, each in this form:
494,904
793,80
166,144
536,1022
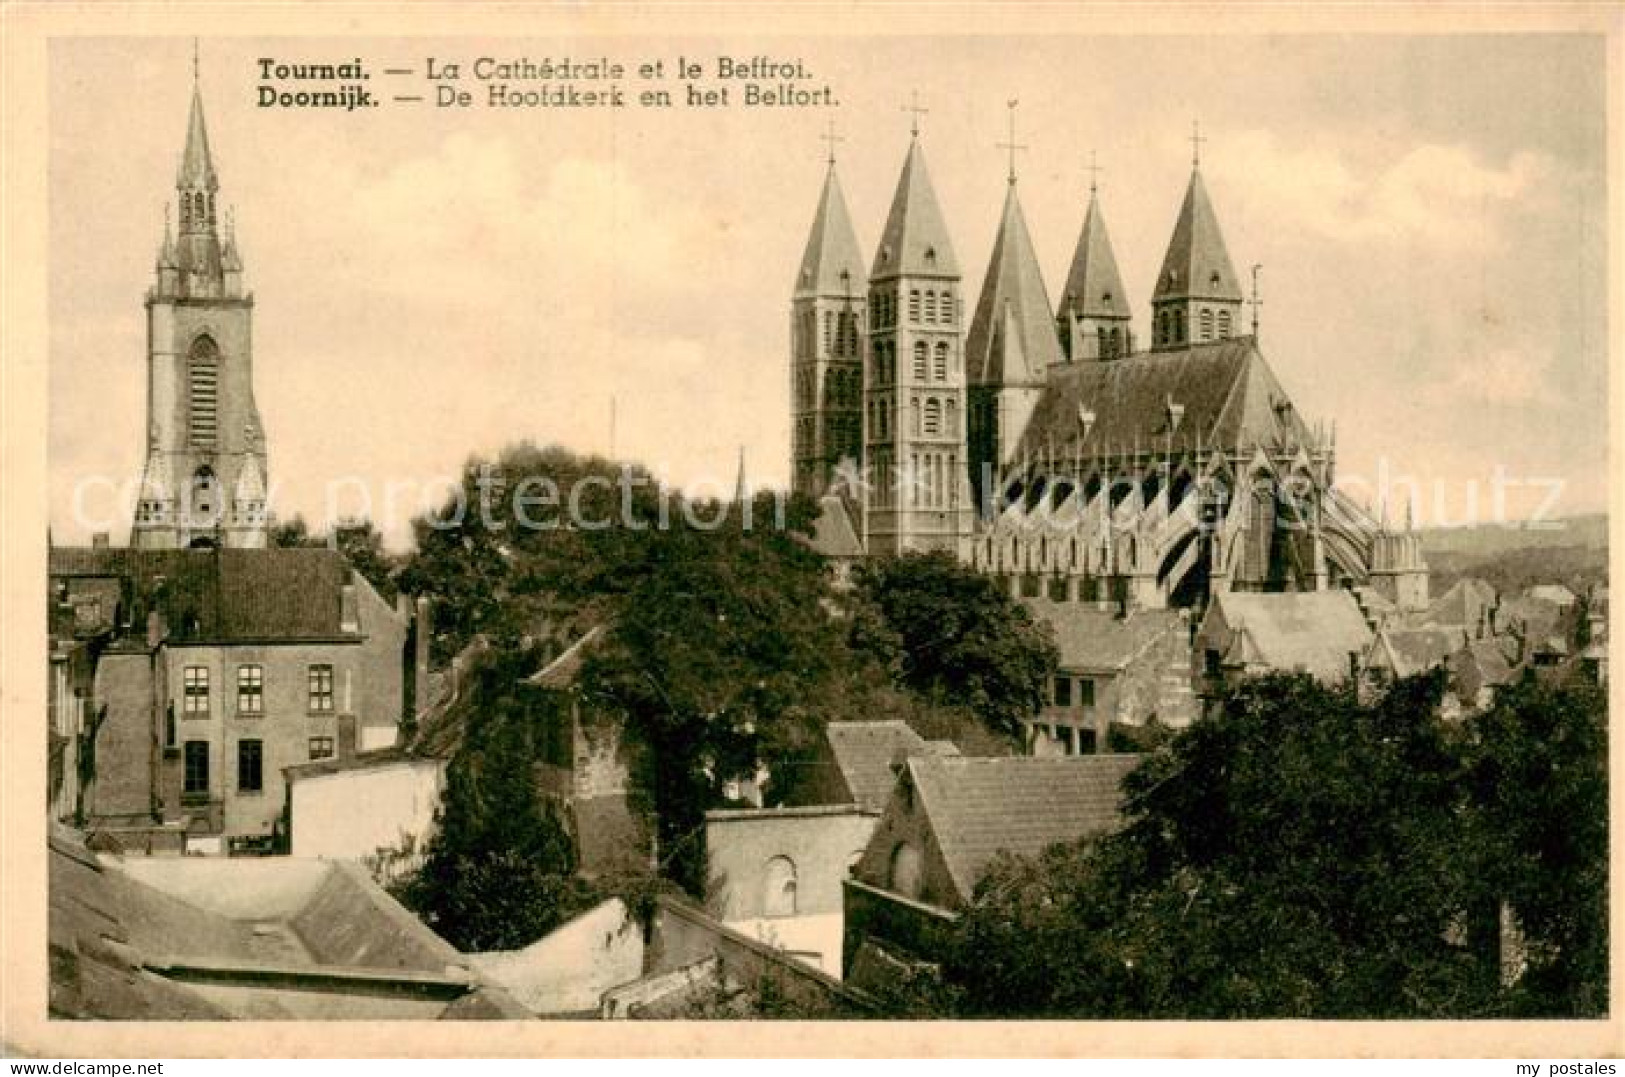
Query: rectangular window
321,747
1086,692
195,684
1063,692
250,766
197,767
321,688
251,690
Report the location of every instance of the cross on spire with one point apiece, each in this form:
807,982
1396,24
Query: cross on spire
1012,145
1094,171
831,137
914,107
1197,138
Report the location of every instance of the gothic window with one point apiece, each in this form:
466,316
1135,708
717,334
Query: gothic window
1206,324
1224,325
945,312
1179,326
914,306
940,366
779,887
1116,343
828,340
1104,353
952,427
914,415
919,360
203,394
930,306
1162,327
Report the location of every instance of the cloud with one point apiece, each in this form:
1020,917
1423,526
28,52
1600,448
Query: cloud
1441,197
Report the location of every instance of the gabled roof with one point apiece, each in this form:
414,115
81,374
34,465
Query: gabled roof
1094,287
831,265
1020,804
223,594
565,670
1229,396
1197,264
915,240
1012,337
1463,604
834,535
1092,639
1312,631
1483,663
866,752
1409,651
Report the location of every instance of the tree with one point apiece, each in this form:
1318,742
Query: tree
1301,854
499,872
357,539
953,635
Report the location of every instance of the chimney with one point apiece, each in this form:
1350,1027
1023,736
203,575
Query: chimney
346,737
349,620
101,540
420,659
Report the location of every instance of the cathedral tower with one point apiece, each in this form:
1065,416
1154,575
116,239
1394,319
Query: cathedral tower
1197,298
917,496
1093,321
827,323
1010,350
204,483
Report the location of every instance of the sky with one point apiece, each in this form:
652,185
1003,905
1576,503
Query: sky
1429,213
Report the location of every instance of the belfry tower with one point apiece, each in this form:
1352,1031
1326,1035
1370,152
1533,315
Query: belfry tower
918,495
205,478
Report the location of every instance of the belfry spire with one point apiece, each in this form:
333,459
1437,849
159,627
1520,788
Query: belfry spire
1094,315
1198,297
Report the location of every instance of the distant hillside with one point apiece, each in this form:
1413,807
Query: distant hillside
1513,557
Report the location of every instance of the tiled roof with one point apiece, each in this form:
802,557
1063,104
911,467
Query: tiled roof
865,753
915,240
1463,604
833,532
1229,396
1197,263
832,249
1409,651
1313,631
1094,288
1012,337
1020,804
275,594
1482,663
1095,639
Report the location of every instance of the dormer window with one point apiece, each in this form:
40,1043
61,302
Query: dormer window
1214,280
1106,299
885,253
930,256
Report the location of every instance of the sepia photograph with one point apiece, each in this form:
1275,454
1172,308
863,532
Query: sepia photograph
721,524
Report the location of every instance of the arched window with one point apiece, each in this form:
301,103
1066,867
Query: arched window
952,428
945,312
930,306
1162,327
1103,345
1179,326
939,368
779,887
914,305
914,415
933,416
203,392
904,871
1117,343
828,341
205,501
1206,323
919,360
1224,325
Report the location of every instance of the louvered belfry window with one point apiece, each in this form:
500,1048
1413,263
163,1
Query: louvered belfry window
203,393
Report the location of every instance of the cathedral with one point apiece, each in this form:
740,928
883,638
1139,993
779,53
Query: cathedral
204,483
1041,443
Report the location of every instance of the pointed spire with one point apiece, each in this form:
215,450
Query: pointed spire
197,165
832,264
166,251
915,240
1197,263
739,479
1094,287
1012,335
